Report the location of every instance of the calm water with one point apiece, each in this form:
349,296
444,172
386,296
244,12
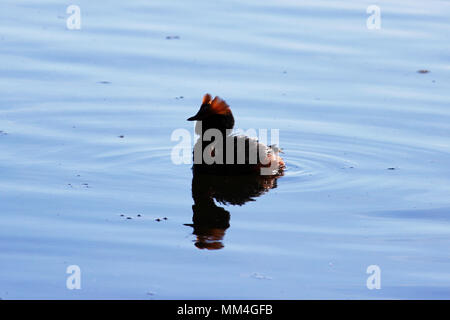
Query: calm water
366,140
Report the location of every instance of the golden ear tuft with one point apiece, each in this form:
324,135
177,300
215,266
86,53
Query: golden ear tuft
219,106
206,98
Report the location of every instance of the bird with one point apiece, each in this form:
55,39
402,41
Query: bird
220,151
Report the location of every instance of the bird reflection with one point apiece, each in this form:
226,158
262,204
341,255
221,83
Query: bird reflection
210,221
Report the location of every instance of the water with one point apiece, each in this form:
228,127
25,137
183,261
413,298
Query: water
365,136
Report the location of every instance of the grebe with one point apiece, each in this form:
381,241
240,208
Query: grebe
228,153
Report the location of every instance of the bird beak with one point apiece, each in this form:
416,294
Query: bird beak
201,114
193,118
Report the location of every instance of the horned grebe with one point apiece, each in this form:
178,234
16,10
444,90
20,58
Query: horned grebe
233,154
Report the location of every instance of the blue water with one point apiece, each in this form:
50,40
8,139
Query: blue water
366,141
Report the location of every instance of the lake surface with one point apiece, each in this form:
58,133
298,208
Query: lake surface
86,118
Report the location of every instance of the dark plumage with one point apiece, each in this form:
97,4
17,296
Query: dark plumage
234,154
